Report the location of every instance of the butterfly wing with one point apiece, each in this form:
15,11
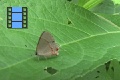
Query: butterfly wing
46,45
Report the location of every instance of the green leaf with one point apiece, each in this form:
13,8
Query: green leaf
116,1
106,7
91,3
100,73
86,41
82,2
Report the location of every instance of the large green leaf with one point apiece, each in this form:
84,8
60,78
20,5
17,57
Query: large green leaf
86,41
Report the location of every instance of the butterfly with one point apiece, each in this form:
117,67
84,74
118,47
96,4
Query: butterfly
46,46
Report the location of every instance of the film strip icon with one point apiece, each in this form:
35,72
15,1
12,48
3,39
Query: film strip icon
17,17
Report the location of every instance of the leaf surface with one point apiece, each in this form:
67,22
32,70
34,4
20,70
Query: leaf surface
86,41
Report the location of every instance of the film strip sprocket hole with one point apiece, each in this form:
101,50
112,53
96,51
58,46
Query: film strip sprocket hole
17,17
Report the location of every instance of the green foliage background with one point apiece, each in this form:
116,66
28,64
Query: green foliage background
86,44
